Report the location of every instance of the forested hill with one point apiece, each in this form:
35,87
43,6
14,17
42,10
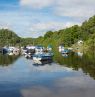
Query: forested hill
10,38
70,36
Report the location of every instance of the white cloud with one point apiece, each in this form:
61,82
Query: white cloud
78,10
69,8
62,13
42,27
36,3
46,26
50,68
5,26
76,81
51,26
75,8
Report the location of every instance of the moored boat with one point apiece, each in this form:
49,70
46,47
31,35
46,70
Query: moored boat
39,49
65,51
42,57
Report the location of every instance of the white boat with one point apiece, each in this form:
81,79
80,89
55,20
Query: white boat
23,50
61,48
42,57
39,49
28,50
13,51
30,47
49,48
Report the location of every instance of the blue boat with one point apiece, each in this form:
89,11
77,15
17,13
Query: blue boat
42,57
4,50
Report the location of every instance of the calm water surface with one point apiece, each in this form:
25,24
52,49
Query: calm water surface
67,76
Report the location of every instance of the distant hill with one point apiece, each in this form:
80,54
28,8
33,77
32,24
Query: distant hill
8,37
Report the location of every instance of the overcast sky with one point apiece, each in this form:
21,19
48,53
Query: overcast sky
32,18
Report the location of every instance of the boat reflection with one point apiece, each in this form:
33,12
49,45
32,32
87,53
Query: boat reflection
80,54
85,62
65,55
42,63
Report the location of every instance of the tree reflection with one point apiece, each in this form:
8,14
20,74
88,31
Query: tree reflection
86,62
6,60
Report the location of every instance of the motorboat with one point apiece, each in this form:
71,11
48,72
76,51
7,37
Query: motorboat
42,56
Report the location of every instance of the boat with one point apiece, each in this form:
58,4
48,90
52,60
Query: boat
13,51
42,57
39,49
61,48
65,51
4,50
23,50
29,53
49,48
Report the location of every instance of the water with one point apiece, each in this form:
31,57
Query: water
67,76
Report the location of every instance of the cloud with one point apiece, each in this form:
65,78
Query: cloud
35,17
75,8
4,26
69,8
69,86
50,26
47,26
42,27
50,67
77,81
36,3
27,24
18,22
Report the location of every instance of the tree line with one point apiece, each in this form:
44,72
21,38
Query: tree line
68,36
71,35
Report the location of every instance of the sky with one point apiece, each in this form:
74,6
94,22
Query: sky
33,18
